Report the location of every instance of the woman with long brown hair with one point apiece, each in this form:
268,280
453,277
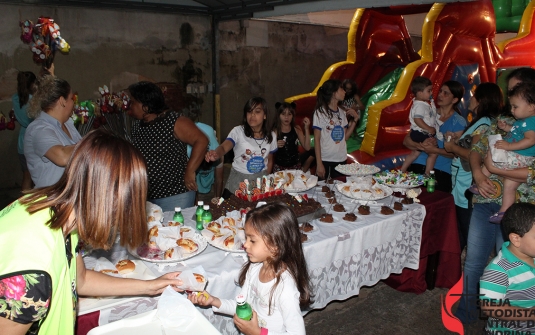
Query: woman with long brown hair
101,194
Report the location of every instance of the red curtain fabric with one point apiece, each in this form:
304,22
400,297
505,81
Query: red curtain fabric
440,238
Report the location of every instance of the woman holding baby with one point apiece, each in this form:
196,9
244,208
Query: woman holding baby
450,121
484,236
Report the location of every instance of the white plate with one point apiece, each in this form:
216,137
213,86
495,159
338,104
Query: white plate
336,221
89,305
235,215
309,239
386,191
149,323
200,240
356,169
276,176
413,181
221,247
288,190
404,186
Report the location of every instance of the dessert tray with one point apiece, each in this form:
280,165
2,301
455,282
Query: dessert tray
154,252
364,191
398,179
226,233
294,180
356,169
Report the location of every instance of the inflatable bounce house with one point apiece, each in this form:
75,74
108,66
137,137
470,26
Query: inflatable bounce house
458,43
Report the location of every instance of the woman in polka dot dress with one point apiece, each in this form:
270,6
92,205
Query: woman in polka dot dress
162,135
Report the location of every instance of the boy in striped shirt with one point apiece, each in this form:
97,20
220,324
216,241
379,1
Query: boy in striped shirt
507,286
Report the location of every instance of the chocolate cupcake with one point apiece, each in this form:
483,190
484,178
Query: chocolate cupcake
398,206
332,200
325,189
339,208
350,217
329,194
327,218
407,201
306,227
397,194
385,210
364,210
304,237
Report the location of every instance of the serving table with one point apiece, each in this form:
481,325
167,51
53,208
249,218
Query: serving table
440,252
341,257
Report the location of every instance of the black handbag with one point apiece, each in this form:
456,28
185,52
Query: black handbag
465,142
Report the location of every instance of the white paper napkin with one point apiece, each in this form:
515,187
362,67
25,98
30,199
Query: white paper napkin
498,155
174,310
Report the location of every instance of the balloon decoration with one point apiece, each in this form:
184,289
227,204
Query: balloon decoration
9,125
110,112
44,39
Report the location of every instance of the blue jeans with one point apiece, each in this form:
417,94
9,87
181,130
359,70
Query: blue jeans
483,236
183,200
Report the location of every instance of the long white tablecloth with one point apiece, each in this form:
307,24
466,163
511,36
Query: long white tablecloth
341,258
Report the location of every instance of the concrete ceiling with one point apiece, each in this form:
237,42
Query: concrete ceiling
228,9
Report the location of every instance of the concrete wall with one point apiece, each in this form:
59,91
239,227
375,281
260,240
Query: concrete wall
108,47
256,58
272,60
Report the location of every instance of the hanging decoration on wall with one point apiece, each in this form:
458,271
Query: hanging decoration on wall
44,39
9,125
110,112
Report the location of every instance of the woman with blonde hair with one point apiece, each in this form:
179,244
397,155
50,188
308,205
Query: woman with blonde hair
50,138
101,194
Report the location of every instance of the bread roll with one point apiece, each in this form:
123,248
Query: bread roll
187,244
229,242
153,231
229,221
125,266
199,278
217,235
214,227
168,254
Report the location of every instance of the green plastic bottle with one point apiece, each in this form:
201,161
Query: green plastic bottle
178,217
431,182
206,216
198,215
243,309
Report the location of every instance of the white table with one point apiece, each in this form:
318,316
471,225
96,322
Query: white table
341,258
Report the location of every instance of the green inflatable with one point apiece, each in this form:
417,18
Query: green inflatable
382,91
508,14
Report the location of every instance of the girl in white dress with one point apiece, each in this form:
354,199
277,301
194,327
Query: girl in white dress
275,280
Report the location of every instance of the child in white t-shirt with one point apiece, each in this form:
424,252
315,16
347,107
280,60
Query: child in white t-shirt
253,145
275,279
423,119
331,128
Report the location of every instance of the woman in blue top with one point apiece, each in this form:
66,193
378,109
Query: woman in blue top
450,120
26,86
486,104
